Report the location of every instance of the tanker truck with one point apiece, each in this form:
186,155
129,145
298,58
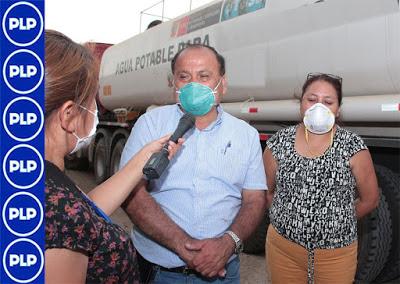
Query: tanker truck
270,47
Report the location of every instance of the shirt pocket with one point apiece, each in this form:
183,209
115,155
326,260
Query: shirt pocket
229,166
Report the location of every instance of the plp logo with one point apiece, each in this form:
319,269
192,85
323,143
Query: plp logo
22,24
22,214
23,260
23,71
23,119
23,166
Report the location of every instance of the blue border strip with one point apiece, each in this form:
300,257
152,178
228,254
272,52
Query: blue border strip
22,141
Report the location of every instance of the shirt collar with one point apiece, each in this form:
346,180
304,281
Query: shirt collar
213,124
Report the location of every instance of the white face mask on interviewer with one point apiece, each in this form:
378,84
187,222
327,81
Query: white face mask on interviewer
85,141
319,119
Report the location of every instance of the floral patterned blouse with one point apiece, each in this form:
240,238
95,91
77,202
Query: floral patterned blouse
72,223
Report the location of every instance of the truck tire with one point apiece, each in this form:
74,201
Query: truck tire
255,244
100,161
390,184
116,155
374,239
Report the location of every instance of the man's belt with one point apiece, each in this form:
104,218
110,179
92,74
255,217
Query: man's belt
181,269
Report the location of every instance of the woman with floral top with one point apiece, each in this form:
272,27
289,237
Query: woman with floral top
82,244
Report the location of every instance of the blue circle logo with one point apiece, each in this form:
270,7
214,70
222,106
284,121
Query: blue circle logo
22,214
23,71
23,260
23,166
23,119
22,24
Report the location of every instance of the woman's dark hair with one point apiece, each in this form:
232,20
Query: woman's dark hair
335,81
220,58
154,23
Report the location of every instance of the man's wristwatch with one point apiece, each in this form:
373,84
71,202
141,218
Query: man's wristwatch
237,240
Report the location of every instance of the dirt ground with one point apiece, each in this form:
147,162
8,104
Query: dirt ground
252,268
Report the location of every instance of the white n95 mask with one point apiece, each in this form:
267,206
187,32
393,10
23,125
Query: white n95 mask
319,119
85,141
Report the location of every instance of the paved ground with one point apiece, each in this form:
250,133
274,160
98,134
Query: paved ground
252,267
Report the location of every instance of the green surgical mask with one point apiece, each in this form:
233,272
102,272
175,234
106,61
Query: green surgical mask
196,98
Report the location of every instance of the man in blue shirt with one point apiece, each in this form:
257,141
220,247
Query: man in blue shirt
190,223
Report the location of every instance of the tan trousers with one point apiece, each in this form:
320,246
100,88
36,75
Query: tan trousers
287,262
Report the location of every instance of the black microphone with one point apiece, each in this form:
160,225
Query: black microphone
159,161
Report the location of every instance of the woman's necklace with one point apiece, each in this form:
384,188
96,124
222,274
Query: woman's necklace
308,145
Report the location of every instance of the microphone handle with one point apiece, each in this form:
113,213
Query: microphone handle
165,147
185,123
178,134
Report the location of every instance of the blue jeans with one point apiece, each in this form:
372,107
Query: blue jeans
232,276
